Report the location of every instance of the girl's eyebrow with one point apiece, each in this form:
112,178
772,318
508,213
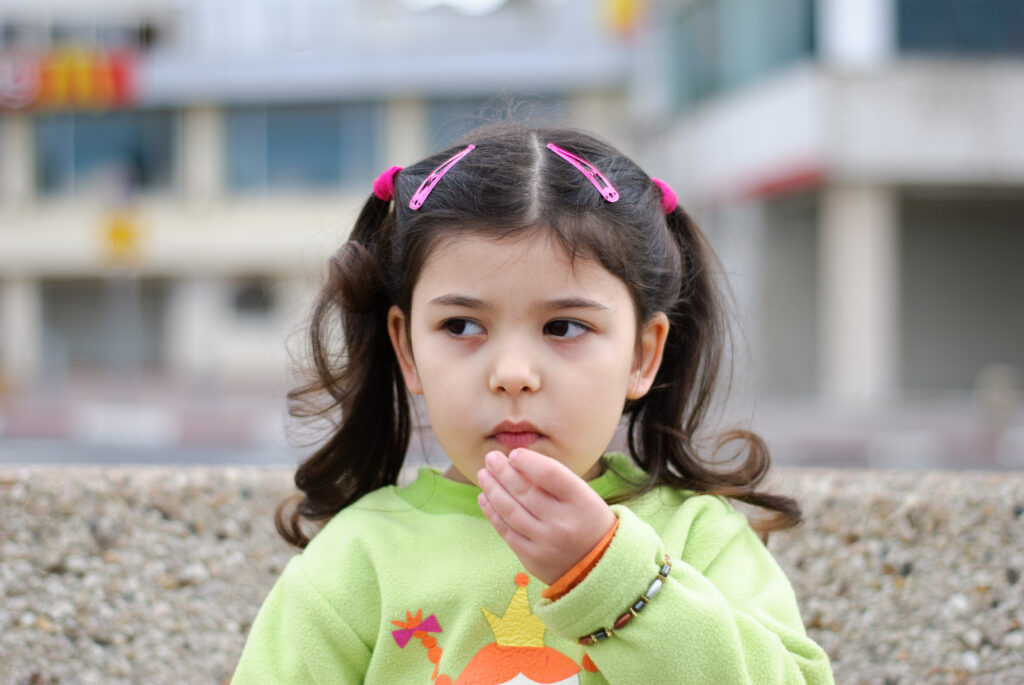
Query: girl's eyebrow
456,300
574,303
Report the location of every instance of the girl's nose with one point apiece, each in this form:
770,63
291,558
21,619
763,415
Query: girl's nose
513,373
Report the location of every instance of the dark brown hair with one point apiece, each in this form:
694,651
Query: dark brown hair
511,183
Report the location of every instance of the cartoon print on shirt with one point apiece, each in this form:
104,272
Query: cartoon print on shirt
518,655
416,627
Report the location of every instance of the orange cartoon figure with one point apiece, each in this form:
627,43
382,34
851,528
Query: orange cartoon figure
518,655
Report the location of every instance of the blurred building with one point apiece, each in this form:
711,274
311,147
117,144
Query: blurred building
861,166
174,174
869,157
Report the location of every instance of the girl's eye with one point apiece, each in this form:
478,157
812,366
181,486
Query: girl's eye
563,328
462,327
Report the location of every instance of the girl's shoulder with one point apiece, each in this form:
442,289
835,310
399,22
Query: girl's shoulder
624,475
361,519
679,507
676,512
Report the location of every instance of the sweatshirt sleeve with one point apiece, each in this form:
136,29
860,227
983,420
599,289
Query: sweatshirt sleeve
298,637
726,614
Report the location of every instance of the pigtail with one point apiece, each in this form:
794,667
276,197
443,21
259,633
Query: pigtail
361,390
663,424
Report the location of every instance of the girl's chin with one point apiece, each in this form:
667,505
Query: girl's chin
452,473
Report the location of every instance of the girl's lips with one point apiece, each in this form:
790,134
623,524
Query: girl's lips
512,440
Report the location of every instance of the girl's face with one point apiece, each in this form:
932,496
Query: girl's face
513,345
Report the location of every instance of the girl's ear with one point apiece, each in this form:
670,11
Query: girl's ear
649,351
397,331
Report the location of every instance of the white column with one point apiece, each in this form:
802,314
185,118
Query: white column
195,311
202,154
20,335
856,34
17,160
405,137
860,293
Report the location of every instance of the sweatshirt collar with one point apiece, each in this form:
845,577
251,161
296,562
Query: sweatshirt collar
432,493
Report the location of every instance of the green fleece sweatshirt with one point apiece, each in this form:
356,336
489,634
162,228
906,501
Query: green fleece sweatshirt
412,585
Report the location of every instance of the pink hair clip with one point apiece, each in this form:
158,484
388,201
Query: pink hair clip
668,196
602,184
431,180
384,186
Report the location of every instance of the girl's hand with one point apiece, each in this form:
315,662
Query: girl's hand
547,514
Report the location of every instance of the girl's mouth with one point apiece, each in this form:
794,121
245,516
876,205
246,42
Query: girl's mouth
512,434
512,440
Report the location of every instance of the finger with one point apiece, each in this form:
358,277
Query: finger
536,500
512,538
554,477
492,516
514,514
511,479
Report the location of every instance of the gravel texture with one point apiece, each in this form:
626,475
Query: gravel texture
910,577
135,575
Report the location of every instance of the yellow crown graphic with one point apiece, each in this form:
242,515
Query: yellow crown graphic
518,627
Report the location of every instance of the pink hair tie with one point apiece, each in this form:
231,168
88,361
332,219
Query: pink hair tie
668,196
384,185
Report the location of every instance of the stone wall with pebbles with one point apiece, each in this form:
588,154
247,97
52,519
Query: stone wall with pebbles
154,575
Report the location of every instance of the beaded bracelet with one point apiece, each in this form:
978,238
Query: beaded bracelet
653,589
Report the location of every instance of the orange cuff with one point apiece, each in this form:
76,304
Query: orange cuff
577,573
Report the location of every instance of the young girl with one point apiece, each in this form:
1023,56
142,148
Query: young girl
535,286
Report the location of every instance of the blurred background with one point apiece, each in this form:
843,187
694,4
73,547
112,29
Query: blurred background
174,175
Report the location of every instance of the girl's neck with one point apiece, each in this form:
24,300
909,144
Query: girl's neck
452,473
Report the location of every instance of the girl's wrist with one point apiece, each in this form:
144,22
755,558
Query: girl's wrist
577,573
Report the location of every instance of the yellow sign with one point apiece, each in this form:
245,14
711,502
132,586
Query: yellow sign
623,16
123,238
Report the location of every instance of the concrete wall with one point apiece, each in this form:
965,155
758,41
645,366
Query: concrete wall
140,575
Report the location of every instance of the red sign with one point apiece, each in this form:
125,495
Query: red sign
69,78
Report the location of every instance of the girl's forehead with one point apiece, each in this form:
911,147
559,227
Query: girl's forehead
520,253
529,261
526,246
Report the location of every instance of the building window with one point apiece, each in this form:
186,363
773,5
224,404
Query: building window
723,44
301,147
90,323
978,27
254,298
109,152
87,33
961,286
449,120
